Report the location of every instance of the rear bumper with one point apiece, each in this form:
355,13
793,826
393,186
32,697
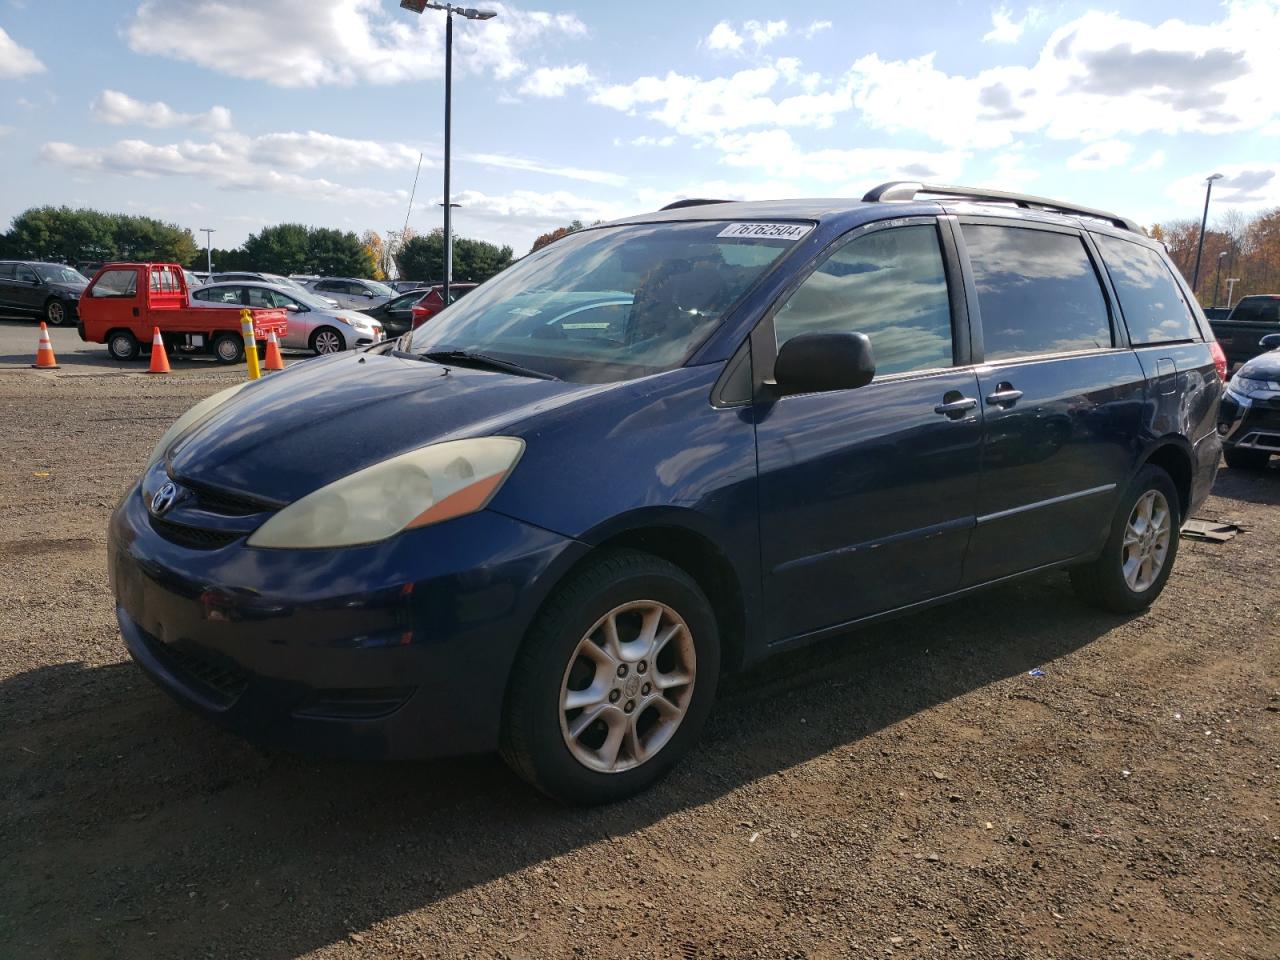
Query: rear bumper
392,650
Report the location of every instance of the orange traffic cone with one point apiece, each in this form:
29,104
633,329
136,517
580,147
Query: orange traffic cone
45,359
159,359
274,360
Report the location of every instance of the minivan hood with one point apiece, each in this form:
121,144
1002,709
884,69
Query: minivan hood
294,432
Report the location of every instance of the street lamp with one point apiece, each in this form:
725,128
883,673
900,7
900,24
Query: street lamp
1217,281
208,249
1231,285
470,13
1208,189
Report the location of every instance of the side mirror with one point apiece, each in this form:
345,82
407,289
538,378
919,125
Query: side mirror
292,307
818,362
1270,342
369,294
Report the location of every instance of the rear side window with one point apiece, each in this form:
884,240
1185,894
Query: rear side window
1153,308
116,283
888,284
1037,292
6,271
1258,310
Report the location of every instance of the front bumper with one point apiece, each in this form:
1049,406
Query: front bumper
395,649
1249,424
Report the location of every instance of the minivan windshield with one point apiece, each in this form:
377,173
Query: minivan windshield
609,303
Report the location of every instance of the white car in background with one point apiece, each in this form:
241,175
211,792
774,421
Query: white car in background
313,324
351,292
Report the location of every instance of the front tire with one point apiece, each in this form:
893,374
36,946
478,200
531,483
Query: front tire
123,345
55,312
1140,551
327,340
614,680
1245,459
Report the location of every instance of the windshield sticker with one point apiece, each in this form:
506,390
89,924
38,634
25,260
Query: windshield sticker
766,231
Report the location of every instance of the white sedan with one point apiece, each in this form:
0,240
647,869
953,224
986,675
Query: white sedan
313,324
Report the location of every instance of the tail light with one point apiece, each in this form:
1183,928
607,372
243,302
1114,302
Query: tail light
1219,360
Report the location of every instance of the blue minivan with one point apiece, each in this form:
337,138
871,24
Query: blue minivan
661,449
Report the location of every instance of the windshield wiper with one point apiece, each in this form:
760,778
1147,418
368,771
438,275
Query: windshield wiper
482,360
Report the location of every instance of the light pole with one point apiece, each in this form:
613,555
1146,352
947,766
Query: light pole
208,248
1204,220
470,13
1217,281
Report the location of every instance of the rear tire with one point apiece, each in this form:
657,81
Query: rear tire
635,740
1135,564
123,345
1245,459
227,348
55,312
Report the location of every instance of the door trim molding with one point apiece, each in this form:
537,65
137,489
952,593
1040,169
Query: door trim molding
1001,514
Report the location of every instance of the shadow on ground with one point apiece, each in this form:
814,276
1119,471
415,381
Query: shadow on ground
131,828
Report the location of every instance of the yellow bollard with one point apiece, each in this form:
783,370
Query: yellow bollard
250,344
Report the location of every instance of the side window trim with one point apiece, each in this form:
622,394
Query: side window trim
1119,339
764,344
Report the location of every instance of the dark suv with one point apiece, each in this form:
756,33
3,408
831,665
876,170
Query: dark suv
49,291
663,448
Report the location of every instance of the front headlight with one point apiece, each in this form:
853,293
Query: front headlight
414,489
1254,389
196,415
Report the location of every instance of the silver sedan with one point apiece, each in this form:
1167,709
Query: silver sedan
313,324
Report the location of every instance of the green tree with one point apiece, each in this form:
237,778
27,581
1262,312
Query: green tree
284,248
422,258
70,236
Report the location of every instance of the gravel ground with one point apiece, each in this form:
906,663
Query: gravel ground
908,791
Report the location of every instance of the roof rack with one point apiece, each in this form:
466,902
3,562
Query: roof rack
691,202
908,190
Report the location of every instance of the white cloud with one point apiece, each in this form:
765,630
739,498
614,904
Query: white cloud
723,37
815,28
765,32
697,107
16,61
1249,185
1153,162
1005,29
114,107
1096,77
1100,156
776,154
555,81
509,162
312,150
307,43
645,141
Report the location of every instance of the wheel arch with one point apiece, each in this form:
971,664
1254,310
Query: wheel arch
1172,454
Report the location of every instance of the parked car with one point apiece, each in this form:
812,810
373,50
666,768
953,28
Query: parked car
313,323
1251,319
126,302
1216,313
404,286
1250,415
396,315
663,448
432,301
275,278
49,291
354,294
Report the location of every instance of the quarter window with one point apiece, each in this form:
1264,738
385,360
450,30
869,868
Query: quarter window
1037,292
1153,308
890,285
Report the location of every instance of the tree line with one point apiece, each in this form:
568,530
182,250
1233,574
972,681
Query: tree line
1235,245
82,236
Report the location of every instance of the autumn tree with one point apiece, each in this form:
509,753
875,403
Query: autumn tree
555,235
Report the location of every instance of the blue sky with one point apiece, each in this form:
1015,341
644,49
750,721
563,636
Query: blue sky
235,114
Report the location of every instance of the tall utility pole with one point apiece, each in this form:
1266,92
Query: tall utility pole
1217,281
1231,285
1204,220
470,13
208,248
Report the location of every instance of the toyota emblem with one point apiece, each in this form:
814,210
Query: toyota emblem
164,498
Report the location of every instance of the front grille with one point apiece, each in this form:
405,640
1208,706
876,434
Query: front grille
197,538
365,703
227,504
220,682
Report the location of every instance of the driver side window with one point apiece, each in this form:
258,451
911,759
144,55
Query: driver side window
26,274
889,284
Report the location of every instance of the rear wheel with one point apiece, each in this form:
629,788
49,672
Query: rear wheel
1245,459
122,345
1136,562
614,680
227,348
327,340
55,312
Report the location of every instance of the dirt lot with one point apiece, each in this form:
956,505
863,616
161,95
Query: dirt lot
908,791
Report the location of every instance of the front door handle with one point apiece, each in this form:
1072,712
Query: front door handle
955,408
1004,396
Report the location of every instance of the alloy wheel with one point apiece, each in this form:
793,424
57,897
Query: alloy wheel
1147,535
627,687
56,313
328,342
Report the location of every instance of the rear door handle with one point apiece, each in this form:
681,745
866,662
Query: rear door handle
1004,395
953,408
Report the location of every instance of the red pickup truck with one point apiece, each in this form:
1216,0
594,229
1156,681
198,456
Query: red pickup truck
125,301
